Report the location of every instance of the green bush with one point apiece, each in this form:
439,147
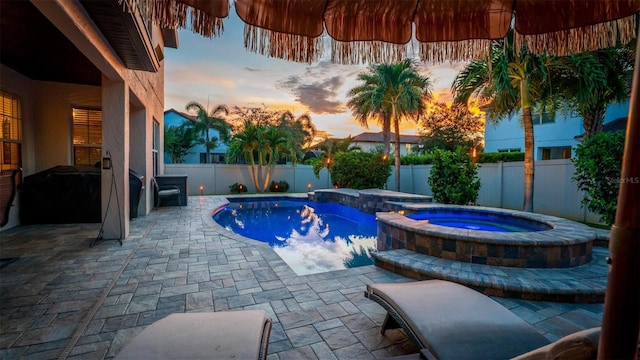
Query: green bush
237,188
280,186
454,178
416,159
311,161
494,157
359,170
598,162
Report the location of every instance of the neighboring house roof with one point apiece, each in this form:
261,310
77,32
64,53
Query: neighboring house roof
377,138
180,113
615,125
371,137
619,124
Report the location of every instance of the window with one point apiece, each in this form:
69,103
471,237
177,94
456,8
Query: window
155,146
87,136
556,152
10,133
510,150
545,118
213,158
217,158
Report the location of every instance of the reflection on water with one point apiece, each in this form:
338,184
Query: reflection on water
310,237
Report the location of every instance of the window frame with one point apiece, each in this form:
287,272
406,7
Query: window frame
11,137
92,158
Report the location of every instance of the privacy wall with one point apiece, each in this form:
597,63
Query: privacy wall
502,183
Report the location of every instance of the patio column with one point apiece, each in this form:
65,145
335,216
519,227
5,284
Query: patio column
115,144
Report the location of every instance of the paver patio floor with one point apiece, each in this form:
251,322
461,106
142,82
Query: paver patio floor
60,298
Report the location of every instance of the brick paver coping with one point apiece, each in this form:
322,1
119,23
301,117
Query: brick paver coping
585,284
564,243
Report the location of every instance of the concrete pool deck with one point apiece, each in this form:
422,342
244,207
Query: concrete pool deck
62,299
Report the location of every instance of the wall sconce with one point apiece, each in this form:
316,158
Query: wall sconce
106,161
308,187
201,189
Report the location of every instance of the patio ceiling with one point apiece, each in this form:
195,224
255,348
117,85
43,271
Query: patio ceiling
34,47
31,45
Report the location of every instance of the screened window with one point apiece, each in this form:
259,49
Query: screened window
10,133
87,136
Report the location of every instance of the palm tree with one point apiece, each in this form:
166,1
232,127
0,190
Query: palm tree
246,143
510,81
274,144
261,146
591,81
300,132
391,91
364,106
178,140
208,121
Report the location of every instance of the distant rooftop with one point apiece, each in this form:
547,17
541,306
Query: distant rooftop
377,138
184,115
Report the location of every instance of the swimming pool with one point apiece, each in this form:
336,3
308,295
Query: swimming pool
310,237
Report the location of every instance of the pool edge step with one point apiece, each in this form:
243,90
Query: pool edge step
581,284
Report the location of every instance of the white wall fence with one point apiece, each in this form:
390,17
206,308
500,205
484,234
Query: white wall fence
502,183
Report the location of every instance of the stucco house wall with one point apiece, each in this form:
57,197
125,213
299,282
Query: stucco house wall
508,135
131,102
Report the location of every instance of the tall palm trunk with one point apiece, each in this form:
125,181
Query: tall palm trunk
206,145
254,175
529,167
396,126
386,134
592,122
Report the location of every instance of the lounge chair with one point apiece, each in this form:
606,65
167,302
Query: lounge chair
582,345
213,335
451,321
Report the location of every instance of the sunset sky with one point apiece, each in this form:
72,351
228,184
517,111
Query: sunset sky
221,71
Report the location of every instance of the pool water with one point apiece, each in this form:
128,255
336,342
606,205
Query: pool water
479,221
310,237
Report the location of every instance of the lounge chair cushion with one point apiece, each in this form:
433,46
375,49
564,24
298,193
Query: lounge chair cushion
582,345
452,321
216,335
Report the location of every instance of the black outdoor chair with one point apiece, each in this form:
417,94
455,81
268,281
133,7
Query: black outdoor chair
164,192
7,194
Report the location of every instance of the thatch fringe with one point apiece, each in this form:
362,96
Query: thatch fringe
463,50
590,38
362,52
173,14
297,48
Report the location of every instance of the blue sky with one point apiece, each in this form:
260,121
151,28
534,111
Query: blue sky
221,71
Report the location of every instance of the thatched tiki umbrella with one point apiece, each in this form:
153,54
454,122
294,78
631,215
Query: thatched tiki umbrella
380,30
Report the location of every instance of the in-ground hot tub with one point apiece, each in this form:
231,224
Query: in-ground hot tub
483,235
